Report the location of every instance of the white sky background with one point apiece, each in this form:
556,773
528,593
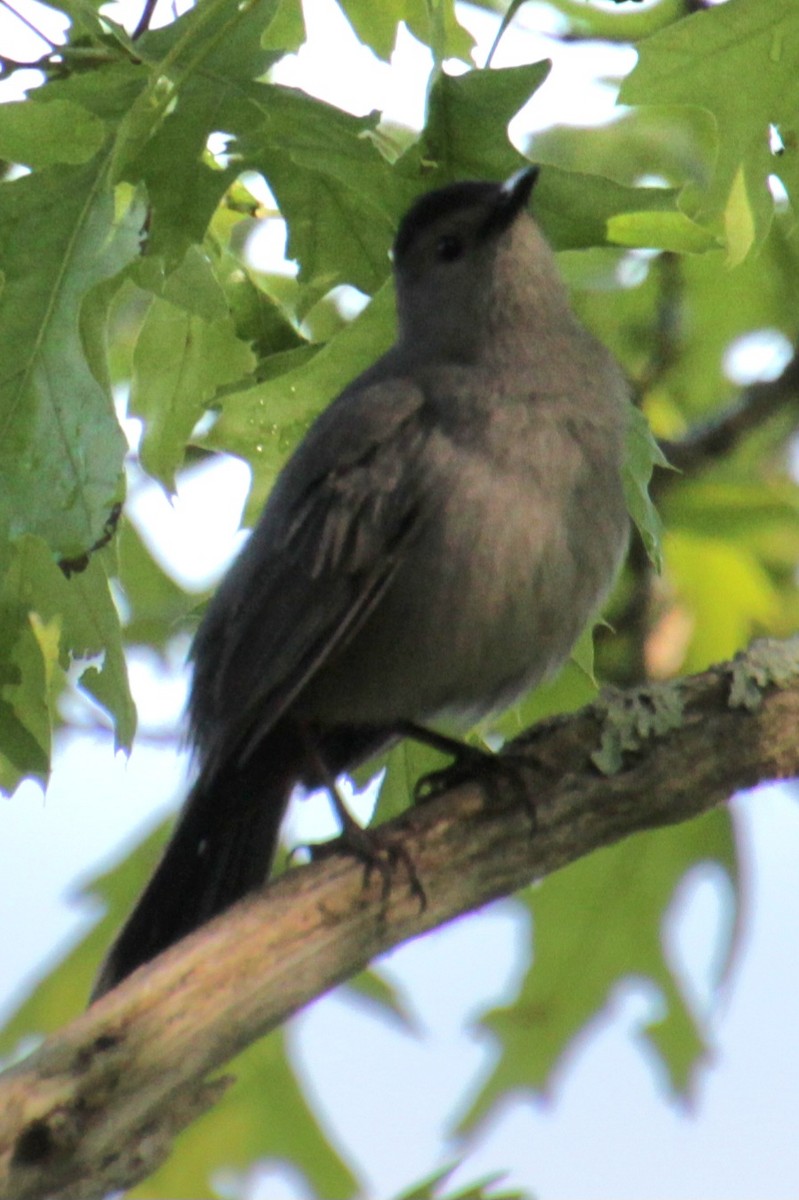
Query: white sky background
385,1095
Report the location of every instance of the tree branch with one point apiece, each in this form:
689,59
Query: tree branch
710,441
96,1107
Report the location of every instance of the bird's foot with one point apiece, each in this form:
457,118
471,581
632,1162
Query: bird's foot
379,852
496,773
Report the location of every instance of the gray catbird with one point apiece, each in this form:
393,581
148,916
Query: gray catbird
432,549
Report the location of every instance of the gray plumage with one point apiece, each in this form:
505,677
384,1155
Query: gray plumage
432,549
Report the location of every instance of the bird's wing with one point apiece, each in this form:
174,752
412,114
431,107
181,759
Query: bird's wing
327,545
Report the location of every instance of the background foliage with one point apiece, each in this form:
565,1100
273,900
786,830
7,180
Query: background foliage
125,210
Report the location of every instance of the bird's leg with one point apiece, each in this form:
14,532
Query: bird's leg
469,762
373,848
460,751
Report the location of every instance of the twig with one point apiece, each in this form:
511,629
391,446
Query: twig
708,442
668,321
504,24
144,19
25,21
9,65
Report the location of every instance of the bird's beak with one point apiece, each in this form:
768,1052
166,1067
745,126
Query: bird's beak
511,197
515,192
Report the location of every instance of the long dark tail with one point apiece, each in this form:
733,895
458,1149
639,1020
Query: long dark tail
223,846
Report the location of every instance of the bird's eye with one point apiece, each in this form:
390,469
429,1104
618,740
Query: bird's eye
449,247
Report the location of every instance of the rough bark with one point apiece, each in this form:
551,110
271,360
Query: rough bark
96,1107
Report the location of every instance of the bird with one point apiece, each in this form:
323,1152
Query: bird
430,552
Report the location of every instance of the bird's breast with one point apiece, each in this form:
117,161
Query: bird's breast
511,558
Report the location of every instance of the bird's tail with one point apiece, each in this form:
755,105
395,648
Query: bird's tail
222,847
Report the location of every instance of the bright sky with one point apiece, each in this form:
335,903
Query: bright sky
608,1132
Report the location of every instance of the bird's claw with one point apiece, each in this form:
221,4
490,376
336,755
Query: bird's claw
489,771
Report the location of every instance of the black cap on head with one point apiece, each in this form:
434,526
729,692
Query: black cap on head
440,203
502,200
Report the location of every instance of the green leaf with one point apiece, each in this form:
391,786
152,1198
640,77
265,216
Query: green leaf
61,132
180,362
465,134
596,923
375,24
372,990
94,317
662,230
62,232
194,287
87,26
28,656
582,653
576,210
668,143
711,59
707,306
157,608
570,689
263,1115
183,190
265,422
195,64
257,316
200,71
286,31
485,1188
107,91
39,604
629,24
406,763
738,509
91,628
435,26
701,571
643,455
741,218
334,187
